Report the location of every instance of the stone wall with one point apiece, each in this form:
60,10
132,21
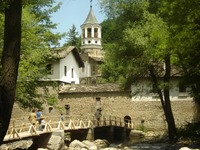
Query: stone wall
120,104
115,103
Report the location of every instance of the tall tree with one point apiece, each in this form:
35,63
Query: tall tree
142,49
12,10
183,17
72,37
34,55
10,61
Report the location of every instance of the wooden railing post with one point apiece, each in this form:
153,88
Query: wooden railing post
110,120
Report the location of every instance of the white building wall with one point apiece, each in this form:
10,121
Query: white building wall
141,92
71,63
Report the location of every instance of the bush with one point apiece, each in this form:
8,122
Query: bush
190,131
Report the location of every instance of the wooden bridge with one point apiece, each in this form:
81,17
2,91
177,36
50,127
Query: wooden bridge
19,131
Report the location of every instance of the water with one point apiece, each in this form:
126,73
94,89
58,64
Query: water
148,144
154,146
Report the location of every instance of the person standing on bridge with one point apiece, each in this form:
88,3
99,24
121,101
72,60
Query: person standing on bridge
98,115
39,115
32,117
61,117
42,123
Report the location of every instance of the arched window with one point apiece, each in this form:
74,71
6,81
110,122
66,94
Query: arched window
96,32
83,33
89,32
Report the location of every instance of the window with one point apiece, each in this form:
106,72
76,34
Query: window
89,32
98,102
49,69
65,70
83,33
83,69
72,73
154,88
182,88
96,32
182,91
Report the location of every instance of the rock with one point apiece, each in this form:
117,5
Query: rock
127,148
110,148
137,133
186,148
90,145
77,145
120,146
101,143
55,142
23,144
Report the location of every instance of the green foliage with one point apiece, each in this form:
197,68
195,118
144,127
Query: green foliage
142,42
142,128
52,100
28,99
111,33
189,132
150,34
72,36
37,40
183,17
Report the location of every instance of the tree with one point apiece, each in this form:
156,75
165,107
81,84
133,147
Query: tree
35,53
72,37
12,10
183,17
10,61
142,51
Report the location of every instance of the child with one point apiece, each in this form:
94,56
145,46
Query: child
61,117
42,123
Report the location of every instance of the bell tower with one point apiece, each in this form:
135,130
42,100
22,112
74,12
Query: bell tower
91,34
91,49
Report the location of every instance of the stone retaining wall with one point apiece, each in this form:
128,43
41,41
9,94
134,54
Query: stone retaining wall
121,105
116,103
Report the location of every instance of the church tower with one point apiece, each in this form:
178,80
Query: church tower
91,34
91,48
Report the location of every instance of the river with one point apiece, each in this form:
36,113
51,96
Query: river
146,144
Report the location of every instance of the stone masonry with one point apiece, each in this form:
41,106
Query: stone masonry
115,102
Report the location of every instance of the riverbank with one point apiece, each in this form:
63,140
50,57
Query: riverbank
155,143
133,144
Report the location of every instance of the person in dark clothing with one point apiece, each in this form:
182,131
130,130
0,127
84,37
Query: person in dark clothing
98,115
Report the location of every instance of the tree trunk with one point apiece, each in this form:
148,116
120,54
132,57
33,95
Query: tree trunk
165,98
10,61
168,110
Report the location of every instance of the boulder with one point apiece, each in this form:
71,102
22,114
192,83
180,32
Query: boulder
110,148
137,133
186,148
90,145
55,142
101,143
77,145
23,144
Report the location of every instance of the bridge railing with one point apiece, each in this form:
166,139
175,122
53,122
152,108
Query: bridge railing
53,123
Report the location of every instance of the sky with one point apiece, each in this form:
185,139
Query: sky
74,12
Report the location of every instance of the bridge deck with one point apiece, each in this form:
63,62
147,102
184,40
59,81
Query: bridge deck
28,130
